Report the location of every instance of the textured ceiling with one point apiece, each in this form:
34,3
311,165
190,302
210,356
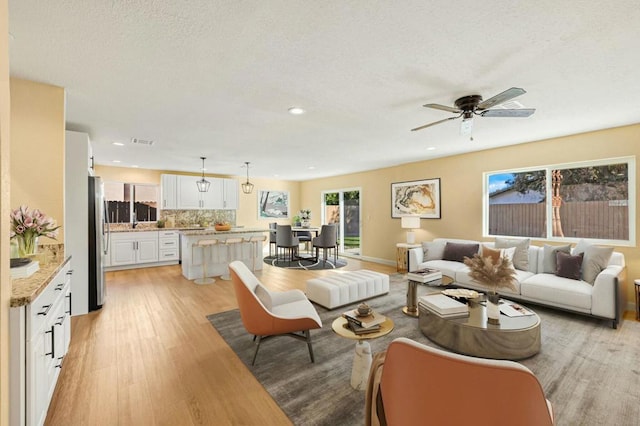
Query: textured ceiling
215,78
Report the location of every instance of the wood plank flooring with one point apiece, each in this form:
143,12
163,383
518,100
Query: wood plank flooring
150,357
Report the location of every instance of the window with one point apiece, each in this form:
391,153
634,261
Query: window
593,200
129,202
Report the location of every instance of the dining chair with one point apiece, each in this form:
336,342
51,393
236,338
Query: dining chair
328,239
272,236
304,237
287,242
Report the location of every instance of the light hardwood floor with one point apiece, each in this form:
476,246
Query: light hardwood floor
150,357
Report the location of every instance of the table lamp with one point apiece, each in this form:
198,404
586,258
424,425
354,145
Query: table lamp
410,223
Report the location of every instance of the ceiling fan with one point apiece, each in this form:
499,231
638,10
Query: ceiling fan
468,106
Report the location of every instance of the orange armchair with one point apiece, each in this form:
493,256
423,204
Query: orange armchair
266,314
421,385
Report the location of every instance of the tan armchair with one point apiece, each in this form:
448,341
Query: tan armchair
266,314
424,385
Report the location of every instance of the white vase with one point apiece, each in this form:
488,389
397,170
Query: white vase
306,224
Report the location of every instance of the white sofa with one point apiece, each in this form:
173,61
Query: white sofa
605,298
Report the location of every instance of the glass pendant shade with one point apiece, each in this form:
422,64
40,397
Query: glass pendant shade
247,187
203,184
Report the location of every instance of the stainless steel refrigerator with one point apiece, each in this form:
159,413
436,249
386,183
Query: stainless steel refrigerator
98,242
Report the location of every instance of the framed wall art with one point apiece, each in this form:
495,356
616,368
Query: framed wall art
418,197
273,204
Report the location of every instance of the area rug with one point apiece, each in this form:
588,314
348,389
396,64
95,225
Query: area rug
308,264
588,371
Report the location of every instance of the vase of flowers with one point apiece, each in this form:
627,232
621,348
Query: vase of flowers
27,225
305,218
496,275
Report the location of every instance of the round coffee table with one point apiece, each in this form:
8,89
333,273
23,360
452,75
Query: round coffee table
362,356
514,338
411,308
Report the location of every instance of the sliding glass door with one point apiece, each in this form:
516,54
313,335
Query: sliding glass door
342,207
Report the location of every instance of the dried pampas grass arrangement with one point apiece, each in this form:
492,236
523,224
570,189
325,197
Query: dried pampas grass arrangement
483,271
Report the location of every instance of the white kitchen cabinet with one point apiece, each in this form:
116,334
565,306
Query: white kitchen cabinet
230,194
169,246
169,191
188,195
222,194
131,248
40,337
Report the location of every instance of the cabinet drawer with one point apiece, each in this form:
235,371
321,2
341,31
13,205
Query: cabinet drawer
168,254
165,234
43,307
168,243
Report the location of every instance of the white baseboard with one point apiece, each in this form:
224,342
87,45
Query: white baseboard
370,259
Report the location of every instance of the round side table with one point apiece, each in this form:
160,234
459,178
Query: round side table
362,356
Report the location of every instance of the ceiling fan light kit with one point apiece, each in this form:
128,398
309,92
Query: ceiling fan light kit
468,106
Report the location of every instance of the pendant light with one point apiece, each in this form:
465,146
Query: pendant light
203,184
247,187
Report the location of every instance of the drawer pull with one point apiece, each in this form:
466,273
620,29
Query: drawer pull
169,254
46,310
60,362
69,311
60,320
59,287
53,340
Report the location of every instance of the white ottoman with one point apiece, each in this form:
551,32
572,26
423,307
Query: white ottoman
344,288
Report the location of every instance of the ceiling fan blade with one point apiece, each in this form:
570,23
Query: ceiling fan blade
501,98
434,123
523,112
442,107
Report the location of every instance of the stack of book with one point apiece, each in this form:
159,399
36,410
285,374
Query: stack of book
444,306
364,324
425,275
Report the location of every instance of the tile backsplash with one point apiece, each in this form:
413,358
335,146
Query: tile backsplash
182,218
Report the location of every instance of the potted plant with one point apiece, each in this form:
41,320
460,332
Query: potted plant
305,217
296,220
493,275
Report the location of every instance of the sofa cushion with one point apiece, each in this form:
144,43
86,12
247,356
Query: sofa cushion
521,258
596,258
557,291
549,263
568,266
456,252
433,250
447,267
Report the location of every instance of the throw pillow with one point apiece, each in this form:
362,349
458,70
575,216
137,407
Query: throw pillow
596,258
457,251
264,296
549,265
494,254
568,266
497,254
433,250
521,258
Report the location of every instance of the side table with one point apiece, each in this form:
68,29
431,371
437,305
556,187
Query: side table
637,291
362,357
411,308
402,256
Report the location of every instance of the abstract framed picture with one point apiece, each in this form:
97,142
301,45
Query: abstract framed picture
273,204
418,197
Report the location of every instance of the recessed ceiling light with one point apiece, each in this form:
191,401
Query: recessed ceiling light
312,167
296,110
431,148
135,166
116,161
118,144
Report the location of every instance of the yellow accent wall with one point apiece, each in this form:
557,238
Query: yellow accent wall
37,149
5,280
461,189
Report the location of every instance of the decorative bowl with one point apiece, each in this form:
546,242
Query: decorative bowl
363,310
222,227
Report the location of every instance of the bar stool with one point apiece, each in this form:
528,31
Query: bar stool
204,244
255,241
231,244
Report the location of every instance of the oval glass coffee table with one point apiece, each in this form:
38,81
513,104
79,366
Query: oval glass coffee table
362,356
514,338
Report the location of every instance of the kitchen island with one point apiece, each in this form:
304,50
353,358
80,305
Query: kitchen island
218,256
